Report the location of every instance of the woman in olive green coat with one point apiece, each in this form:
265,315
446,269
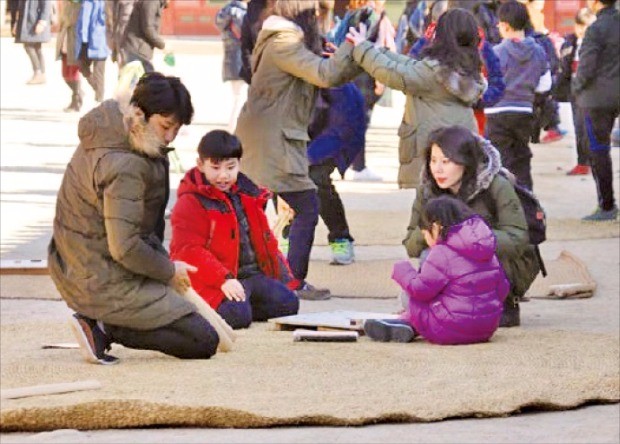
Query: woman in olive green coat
440,88
287,70
463,164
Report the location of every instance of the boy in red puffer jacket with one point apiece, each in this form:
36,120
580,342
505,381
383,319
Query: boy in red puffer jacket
219,226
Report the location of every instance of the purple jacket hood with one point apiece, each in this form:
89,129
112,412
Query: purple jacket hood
472,238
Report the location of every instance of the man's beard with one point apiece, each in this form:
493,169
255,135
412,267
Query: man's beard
143,137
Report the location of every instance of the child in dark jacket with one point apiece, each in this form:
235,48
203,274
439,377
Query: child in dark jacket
457,297
219,226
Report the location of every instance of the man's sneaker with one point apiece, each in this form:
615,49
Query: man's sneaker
311,293
551,136
366,175
342,252
601,215
579,170
386,331
93,342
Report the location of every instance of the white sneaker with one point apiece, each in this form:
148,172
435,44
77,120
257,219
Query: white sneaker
366,175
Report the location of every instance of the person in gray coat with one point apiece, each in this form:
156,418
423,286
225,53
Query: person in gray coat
142,36
33,28
106,255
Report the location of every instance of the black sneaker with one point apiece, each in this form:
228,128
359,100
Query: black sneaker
385,331
93,342
511,316
311,293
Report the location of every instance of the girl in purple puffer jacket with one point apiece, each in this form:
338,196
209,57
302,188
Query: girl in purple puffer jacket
458,295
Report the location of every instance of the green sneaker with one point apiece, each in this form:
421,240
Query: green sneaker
283,245
342,252
601,215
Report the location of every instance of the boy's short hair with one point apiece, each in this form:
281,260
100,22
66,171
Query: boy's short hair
219,145
514,14
156,93
608,2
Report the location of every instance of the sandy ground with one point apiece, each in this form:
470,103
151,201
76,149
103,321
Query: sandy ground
37,139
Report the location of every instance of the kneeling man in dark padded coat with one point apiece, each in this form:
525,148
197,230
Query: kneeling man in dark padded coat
106,256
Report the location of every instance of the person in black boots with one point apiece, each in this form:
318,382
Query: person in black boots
597,89
65,51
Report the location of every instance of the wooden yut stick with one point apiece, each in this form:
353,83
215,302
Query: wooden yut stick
49,389
224,331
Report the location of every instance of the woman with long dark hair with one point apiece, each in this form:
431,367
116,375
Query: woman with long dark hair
287,70
441,87
461,164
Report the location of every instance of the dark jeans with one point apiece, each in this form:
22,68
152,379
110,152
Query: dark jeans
599,123
36,56
190,337
510,134
96,77
581,136
301,231
331,209
265,298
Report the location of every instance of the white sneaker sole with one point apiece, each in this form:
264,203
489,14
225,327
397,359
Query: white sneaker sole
83,342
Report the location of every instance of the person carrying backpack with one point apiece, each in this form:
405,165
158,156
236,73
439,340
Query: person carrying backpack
460,163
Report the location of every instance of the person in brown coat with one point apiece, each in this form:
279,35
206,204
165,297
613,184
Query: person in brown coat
106,255
287,70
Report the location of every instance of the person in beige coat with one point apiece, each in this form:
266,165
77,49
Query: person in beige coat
287,70
65,51
106,255
440,88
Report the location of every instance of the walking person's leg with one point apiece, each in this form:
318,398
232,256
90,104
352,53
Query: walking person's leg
599,124
98,79
581,141
301,237
33,50
522,154
239,90
332,212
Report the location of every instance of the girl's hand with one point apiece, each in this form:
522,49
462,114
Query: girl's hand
233,290
429,238
356,37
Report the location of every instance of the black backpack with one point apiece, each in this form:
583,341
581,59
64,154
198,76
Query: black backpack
534,216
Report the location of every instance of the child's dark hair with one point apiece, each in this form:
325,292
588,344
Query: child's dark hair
515,14
219,145
447,211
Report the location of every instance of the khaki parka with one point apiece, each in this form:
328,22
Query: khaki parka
273,123
513,249
106,255
435,97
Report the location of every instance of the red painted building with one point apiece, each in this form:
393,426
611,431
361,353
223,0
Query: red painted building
197,17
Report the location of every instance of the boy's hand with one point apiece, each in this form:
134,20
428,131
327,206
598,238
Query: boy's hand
430,241
180,281
233,290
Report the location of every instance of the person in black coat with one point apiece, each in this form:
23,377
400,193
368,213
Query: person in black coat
597,89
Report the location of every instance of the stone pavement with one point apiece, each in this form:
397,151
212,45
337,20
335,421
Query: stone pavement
37,140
